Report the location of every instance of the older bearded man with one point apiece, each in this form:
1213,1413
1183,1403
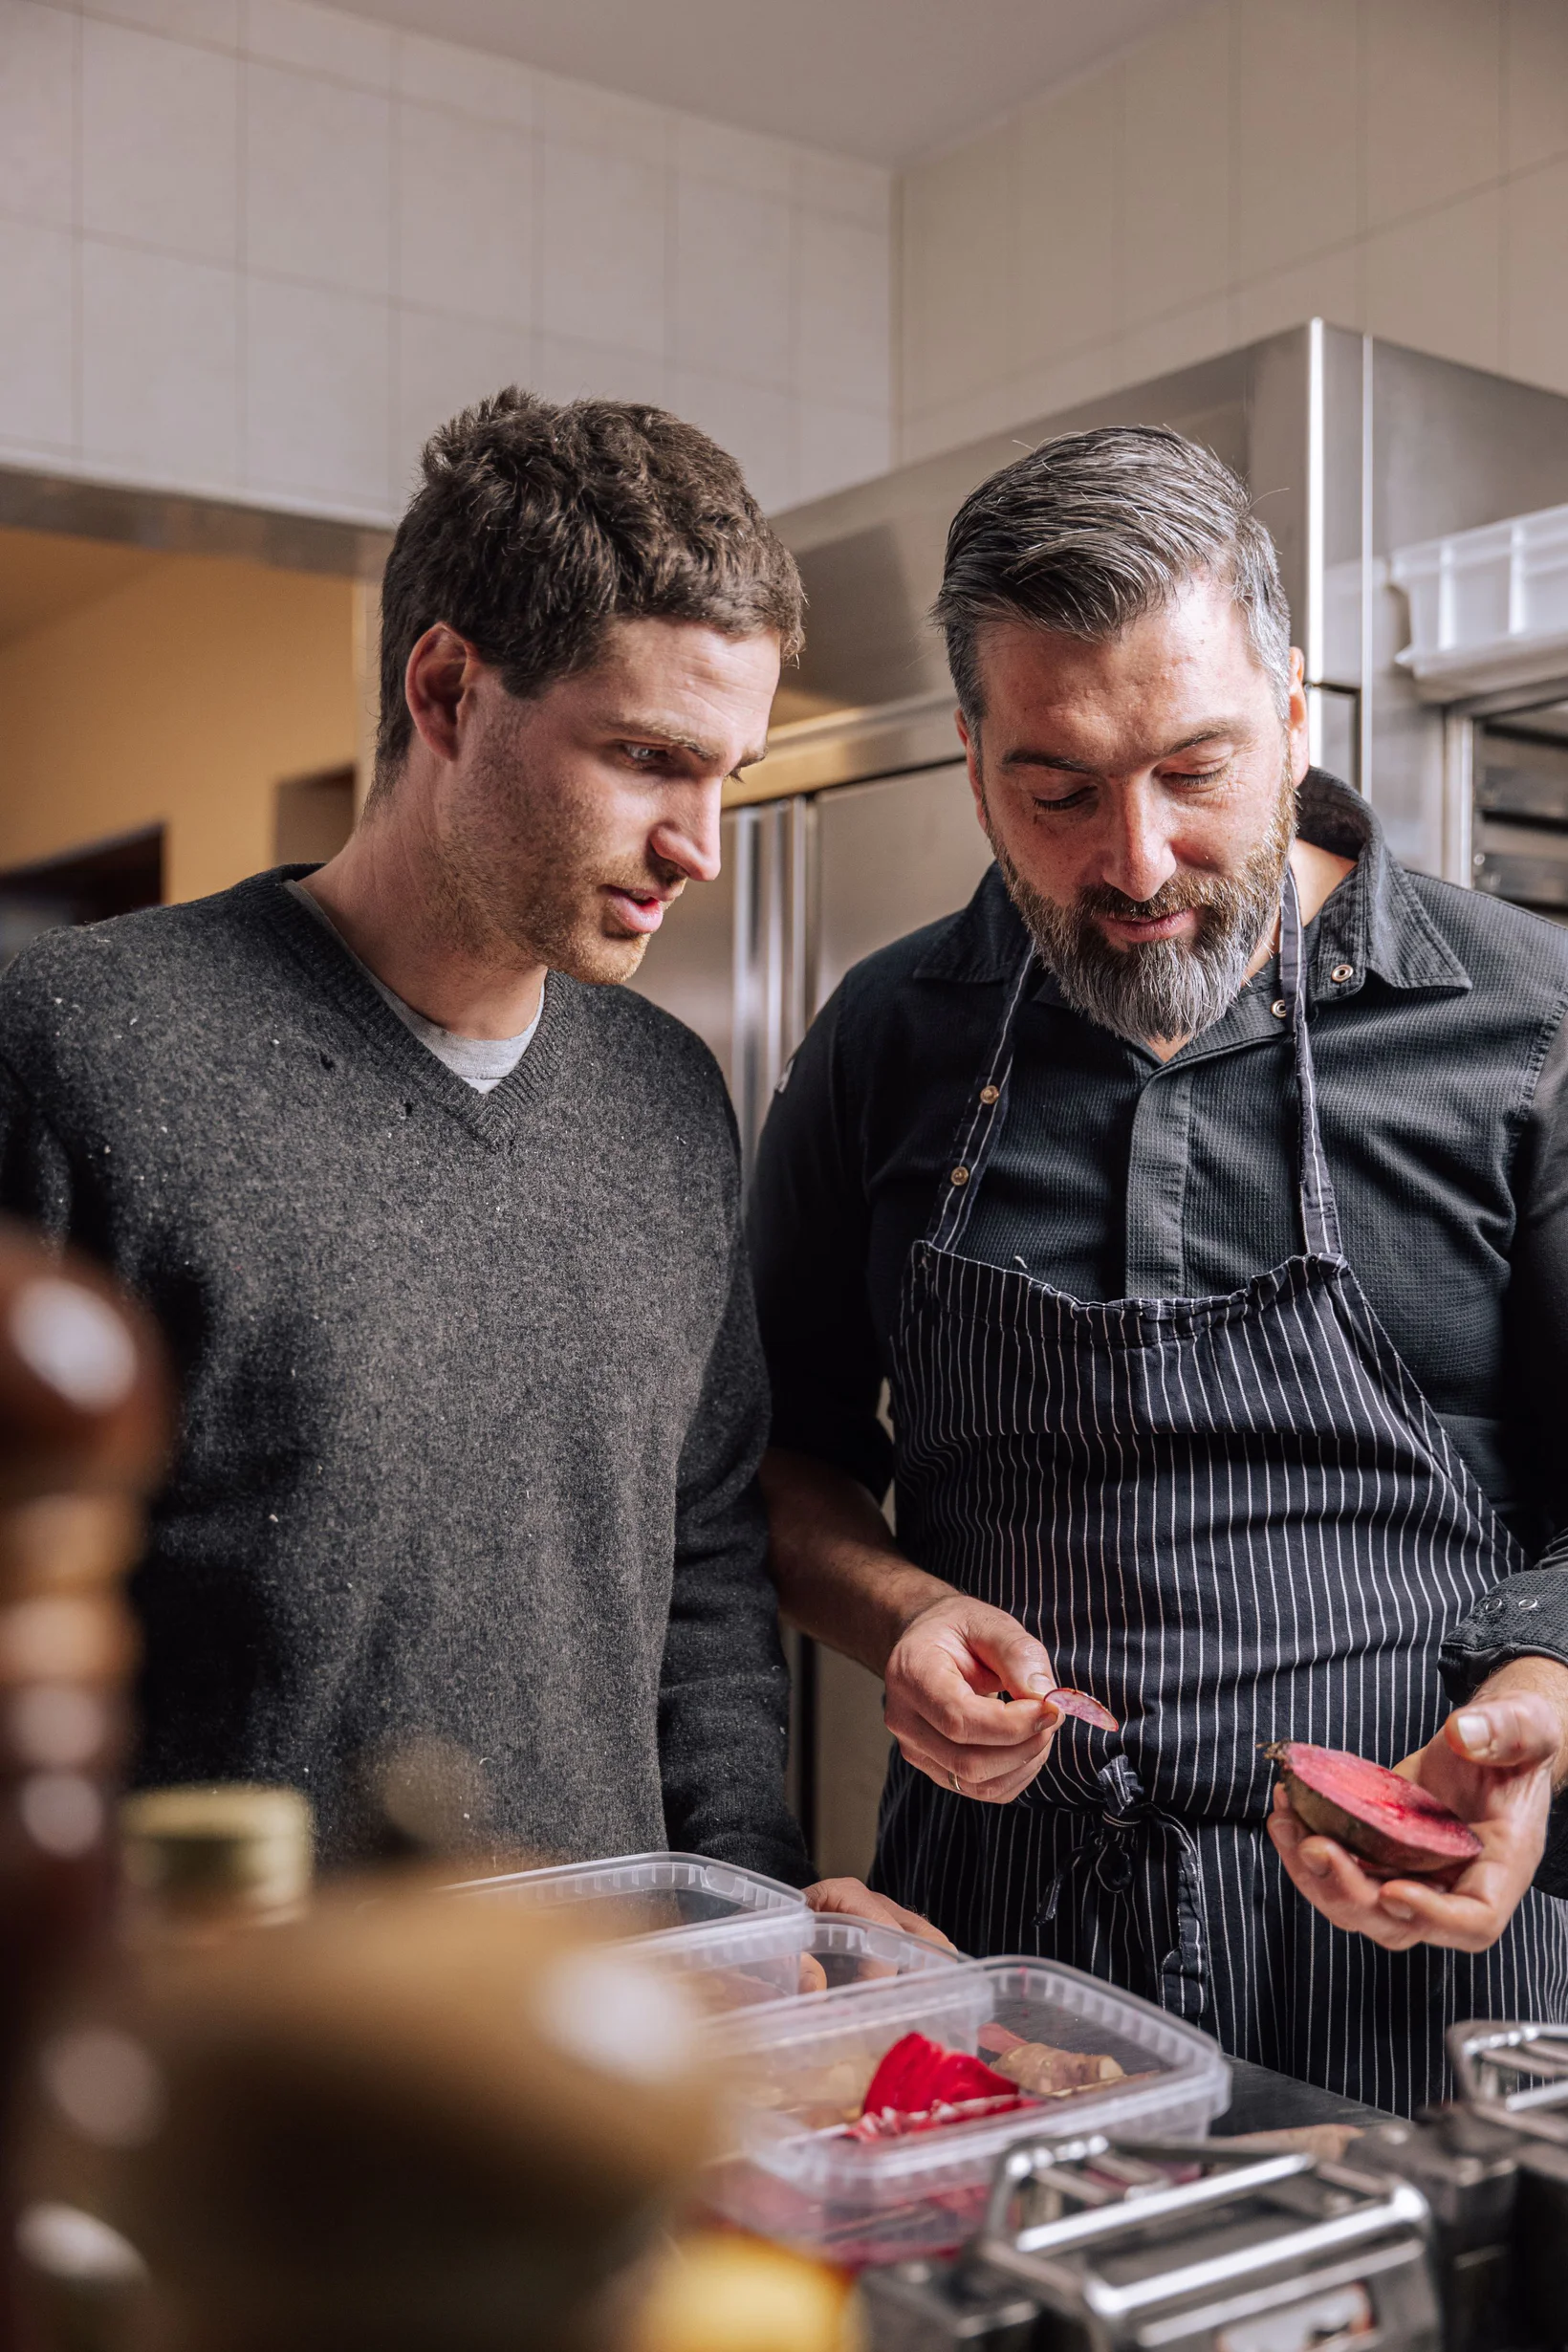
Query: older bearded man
1199,1194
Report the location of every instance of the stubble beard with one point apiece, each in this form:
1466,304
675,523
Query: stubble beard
520,878
1160,988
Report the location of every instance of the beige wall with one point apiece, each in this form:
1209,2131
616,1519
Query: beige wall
260,251
1396,166
184,698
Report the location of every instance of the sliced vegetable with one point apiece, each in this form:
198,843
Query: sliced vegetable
1395,1828
1049,2073
1088,1710
995,2039
918,2073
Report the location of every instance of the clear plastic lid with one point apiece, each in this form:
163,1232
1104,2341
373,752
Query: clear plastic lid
1082,2056
650,1894
728,1970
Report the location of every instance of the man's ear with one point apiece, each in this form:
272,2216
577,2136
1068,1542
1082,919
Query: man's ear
441,668
1296,721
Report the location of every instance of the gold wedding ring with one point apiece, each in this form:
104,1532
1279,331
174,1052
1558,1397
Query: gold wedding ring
954,1784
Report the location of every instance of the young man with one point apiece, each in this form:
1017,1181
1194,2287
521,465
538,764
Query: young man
443,1231
1231,1399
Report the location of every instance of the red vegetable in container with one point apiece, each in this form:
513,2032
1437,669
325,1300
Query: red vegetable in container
1395,1829
920,2086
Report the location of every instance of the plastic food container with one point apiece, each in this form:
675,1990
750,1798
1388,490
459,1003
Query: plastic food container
801,2068
855,1951
716,1915
836,1953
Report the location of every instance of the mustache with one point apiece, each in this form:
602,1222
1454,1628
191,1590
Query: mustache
1176,897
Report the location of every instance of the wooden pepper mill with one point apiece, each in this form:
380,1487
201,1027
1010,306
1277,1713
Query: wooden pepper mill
83,1428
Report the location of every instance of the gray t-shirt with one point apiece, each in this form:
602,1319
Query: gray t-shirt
481,1062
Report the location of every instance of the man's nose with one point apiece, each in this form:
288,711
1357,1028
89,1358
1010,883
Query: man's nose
1137,857
688,838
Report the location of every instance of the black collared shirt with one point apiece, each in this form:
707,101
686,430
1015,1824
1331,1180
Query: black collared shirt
1439,1032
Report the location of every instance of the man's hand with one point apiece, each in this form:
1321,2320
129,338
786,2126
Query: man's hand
854,1901
944,1680
944,1660
1495,1763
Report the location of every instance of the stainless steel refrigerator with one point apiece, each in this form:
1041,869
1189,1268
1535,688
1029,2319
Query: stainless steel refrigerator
859,826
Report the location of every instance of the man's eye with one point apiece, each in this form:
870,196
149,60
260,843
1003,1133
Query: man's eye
1070,799
1195,775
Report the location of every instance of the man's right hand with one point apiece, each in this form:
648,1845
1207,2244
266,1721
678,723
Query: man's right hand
944,1704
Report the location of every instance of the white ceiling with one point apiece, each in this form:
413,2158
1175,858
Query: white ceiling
885,79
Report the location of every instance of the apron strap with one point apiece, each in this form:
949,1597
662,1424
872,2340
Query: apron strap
1319,1209
983,1122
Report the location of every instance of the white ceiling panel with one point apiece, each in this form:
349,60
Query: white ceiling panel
884,79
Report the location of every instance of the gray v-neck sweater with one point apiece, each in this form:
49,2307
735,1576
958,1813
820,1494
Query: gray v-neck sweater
471,1392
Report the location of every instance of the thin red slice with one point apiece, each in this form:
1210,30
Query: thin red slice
1395,1828
1089,1710
996,2040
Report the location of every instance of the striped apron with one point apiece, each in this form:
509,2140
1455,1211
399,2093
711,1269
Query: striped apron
1233,1519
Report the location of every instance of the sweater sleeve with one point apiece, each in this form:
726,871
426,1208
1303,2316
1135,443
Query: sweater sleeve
724,1704
35,1169
808,1220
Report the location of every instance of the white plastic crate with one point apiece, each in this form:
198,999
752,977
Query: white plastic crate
1488,607
861,2202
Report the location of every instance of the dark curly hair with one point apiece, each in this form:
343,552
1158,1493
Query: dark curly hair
537,524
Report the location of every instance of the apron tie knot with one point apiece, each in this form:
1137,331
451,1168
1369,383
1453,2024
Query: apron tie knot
1130,1832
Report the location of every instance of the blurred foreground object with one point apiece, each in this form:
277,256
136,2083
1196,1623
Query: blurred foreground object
716,2292
83,1425
402,2124
200,1863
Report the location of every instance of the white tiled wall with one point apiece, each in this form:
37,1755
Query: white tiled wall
1397,165
259,248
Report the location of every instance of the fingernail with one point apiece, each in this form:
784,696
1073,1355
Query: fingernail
1398,1911
1315,1864
1039,1686
1475,1730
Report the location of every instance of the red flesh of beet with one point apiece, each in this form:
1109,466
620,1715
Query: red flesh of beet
918,2073
1395,1829
1087,1710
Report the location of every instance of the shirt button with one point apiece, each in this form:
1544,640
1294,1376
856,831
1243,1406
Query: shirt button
991,1094
1280,1008
1342,973
961,1176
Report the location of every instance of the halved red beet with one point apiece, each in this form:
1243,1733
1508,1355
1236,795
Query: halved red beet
1087,1710
1395,1829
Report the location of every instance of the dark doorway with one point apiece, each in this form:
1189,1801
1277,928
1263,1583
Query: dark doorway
314,817
85,886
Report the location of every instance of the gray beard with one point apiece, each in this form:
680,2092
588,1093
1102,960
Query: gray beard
1160,988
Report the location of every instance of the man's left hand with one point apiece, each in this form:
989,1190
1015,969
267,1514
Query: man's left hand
855,1901
1495,1763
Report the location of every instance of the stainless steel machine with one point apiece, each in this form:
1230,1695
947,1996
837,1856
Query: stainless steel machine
1447,2234
859,826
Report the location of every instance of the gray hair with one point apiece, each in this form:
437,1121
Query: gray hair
1089,533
